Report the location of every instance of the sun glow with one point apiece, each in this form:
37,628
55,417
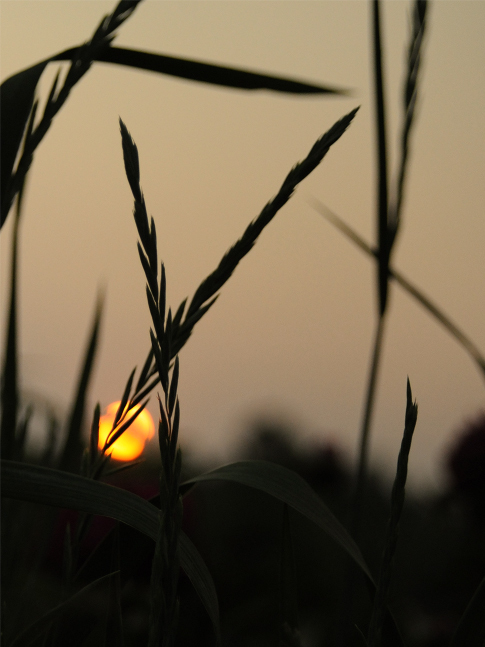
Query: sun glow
132,442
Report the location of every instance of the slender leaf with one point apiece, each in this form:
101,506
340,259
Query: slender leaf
203,72
73,445
284,485
113,437
65,490
289,487
120,412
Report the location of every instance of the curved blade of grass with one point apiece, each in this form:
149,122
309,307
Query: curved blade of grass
17,92
203,72
65,490
73,447
35,630
411,289
288,487
471,628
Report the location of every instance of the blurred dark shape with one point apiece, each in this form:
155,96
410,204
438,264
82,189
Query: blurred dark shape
466,467
239,533
320,463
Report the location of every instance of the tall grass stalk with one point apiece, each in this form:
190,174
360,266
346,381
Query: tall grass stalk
388,216
387,225
164,609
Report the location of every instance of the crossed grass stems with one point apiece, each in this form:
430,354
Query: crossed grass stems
170,332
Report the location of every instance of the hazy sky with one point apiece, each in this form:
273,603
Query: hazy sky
291,333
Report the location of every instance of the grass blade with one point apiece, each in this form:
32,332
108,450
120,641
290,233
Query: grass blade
120,412
64,490
203,72
73,445
290,488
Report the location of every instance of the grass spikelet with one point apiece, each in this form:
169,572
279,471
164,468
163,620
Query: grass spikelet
410,97
233,256
397,503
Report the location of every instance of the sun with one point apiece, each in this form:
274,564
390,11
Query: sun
132,442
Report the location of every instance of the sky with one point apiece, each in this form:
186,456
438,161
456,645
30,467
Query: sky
290,337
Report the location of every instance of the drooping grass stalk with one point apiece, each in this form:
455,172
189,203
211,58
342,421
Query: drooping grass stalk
374,638
164,609
58,94
406,284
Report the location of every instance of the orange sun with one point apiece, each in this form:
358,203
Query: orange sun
132,442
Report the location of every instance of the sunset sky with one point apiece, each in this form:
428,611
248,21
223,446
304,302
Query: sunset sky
290,336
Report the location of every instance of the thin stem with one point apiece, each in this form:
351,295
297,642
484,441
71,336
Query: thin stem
360,484
382,189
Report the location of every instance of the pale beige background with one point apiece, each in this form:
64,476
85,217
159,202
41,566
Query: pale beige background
291,333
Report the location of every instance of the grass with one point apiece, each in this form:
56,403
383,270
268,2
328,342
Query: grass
54,610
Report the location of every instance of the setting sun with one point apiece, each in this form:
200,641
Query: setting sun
132,442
